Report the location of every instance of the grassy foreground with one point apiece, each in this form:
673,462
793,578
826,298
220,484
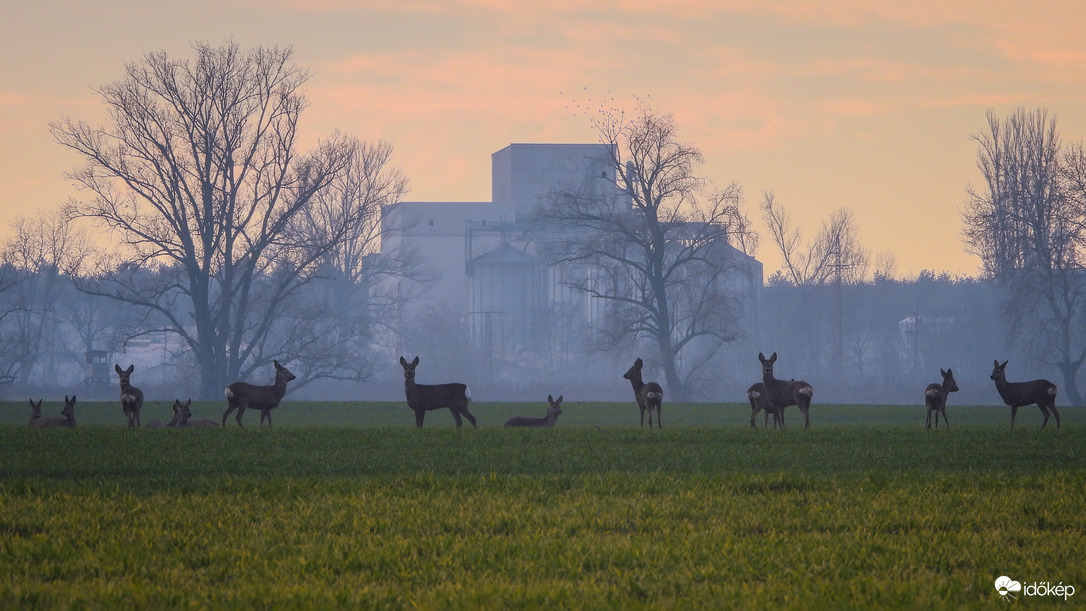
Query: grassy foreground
845,515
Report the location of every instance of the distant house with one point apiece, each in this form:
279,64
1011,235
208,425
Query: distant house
489,259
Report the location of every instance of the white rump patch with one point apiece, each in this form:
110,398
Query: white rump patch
754,394
229,393
1052,391
806,390
467,393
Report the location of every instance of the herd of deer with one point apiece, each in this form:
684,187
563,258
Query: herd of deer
770,395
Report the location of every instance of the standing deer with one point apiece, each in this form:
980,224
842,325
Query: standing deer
649,396
242,395
935,396
68,418
553,410
158,424
425,397
131,397
782,393
1017,394
35,410
185,421
756,394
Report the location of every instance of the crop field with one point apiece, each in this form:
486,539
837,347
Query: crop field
349,506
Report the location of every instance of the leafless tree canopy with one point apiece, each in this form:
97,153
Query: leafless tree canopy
198,173
657,245
835,254
1025,221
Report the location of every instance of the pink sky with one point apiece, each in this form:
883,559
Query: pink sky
832,103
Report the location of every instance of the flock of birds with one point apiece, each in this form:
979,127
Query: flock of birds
770,395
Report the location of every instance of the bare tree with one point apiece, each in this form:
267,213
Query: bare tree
198,174
658,246
833,260
43,254
1025,222
834,255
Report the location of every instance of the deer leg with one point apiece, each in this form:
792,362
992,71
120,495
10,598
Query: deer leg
1056,413
241,410
229,408
753,413
265,413
927,419
945,421
806,416
419,415
468,415
456,416
1044,410
1014,410
643,418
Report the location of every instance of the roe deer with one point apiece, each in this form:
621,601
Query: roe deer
35,410
242,395
553,410
158,424
1017,394
649,396
131,397
782,393
67,419
185,421
425,397
756,394
935,396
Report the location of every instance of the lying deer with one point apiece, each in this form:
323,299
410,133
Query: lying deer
131,397
935,396
67,419
242,395
185,421
425,397
756,394
1017,394
553,410
782,393
158,424
649,396
35,409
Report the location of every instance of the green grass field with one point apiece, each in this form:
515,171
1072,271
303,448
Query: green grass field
347,505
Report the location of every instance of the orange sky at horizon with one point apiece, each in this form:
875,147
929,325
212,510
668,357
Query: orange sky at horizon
840,103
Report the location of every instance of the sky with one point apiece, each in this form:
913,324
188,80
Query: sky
865,105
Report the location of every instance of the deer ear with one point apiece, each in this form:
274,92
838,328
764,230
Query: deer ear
276,363
130,369
773,358
942,373
415,361
188,403
639,363
550,399
1004,365
403,361
118,368
995,362
761,357
559,399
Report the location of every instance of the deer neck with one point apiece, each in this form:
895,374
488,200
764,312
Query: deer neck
637,384
280,387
